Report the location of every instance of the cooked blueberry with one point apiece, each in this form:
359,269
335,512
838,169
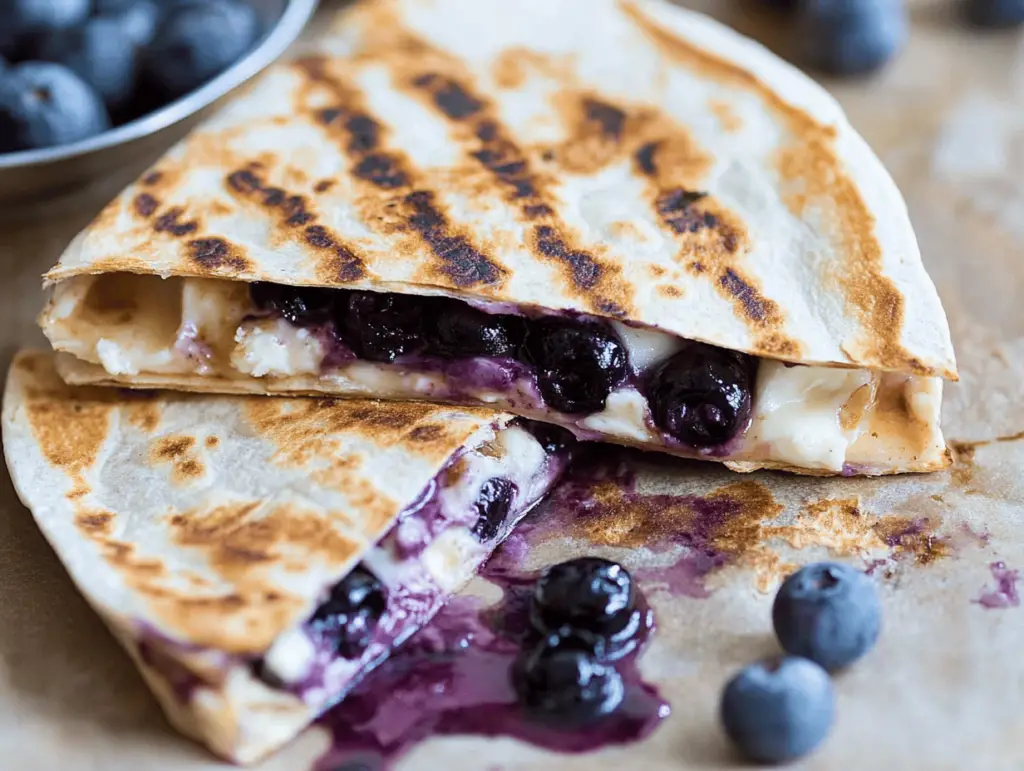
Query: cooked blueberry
297,304
196,42
828,613
462,331
138,18
852,37
492,506
587,594
349,616
554,439
578,363
994,13
42,105
779,709
702,395
102,53
563,686
381,326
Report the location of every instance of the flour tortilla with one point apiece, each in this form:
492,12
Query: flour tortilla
201,528
623,158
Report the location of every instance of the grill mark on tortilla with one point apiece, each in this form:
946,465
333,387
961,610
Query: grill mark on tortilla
811,162
718,242
407,201
178,451
168,222
339,263
215,255
600,284
152,178
145,204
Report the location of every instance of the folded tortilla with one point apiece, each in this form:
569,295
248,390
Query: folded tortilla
622,169
219,537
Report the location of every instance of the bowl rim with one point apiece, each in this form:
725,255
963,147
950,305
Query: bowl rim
286,31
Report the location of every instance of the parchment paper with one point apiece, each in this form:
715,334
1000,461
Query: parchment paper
945,687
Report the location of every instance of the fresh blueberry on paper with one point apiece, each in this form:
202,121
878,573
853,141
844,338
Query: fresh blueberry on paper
828,613
102,53
42,105
994,13
778,709
196,42
560,685
852,37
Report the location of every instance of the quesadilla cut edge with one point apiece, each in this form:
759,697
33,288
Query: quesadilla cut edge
257,556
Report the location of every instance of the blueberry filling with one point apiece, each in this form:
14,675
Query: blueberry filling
702,395
492,506
349,616
578,363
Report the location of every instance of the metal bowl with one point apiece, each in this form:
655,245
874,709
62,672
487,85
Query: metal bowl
27,176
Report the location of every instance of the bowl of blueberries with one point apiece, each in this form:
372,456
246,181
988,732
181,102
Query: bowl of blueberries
89,86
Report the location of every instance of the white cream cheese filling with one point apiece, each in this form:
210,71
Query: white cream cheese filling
453,556
195,326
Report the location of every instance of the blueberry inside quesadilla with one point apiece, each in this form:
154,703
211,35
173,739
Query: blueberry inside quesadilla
612,215
257,556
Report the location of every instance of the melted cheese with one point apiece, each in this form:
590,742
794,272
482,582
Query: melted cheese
647,347
275,348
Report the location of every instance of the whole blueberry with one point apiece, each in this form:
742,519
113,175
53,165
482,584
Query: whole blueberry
994,13
492,506
349,616
852,37
702,395
297,304
591,602
462,331
828,613
778,709
578,363
381,326
138,18
101,53
566,687
32,16
196,42
43,104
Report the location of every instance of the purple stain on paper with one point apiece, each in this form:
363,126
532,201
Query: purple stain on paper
1004,595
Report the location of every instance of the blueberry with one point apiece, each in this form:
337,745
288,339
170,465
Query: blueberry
828,613
42,105
779,709
34,16
554,439
381,326
349,616
196,42
994,13
578,363
852,37
702,395
138,18
299,305
101,53
462,331
492,506
590,600
565,687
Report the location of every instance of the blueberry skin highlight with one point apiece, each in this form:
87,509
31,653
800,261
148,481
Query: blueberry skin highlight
852,37
994,13
828,613
779,709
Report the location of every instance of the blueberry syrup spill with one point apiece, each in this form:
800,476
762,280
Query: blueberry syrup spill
1005,594
455,678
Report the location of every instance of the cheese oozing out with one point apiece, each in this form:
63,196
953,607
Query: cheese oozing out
802,416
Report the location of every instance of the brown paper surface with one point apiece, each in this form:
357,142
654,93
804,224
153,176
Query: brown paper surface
944,689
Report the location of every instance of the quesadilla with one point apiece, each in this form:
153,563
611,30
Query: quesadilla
257,556
613,215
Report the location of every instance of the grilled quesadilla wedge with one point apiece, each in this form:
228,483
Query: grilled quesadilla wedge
613,215
257,556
